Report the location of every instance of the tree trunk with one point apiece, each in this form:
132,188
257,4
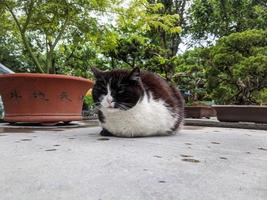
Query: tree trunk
22,31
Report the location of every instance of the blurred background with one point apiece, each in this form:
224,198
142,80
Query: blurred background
214,51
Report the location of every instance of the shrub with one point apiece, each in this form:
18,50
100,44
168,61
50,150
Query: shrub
239,68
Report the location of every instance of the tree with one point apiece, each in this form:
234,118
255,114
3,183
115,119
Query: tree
167,40
239,67
77,59
12,56
209,18
10,51
42,25
130,42
191,75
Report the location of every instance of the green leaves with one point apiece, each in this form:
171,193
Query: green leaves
43,25
239,63
143,16
70,37
221,18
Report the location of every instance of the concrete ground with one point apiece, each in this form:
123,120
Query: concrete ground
77,164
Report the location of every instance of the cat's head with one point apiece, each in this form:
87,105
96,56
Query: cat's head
117,89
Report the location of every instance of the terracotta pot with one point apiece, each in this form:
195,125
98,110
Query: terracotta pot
42,97
199,112
241,113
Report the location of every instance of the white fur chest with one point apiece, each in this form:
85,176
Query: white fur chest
145,119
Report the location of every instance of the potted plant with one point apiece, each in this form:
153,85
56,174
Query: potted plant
199,110
192,82
238,77
241,113
42,97
41,31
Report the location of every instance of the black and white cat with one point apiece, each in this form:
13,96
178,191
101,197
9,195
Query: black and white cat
136,103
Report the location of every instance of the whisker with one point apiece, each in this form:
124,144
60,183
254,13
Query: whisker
128,104
121,106
124,107
96,103
96,108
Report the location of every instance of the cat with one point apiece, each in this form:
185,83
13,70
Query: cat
136,103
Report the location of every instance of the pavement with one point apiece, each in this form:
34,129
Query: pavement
75,163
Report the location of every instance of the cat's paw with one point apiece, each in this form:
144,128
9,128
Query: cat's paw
105,132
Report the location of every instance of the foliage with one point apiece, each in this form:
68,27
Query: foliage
172,39
88,101
11,55
41,26
261,96
67,37
77,59
131,42
191,75
239,67
221,18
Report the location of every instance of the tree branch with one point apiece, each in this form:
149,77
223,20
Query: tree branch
49,56
24,39
69,57
60,34
29,15
14,17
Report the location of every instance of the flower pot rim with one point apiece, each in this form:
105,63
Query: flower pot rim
240,106
200,106
40,75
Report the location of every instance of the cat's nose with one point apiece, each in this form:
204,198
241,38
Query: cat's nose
109,100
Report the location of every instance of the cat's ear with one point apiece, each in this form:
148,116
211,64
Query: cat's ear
135,74
97,72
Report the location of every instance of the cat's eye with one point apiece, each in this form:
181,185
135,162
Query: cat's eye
101,87
121,88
